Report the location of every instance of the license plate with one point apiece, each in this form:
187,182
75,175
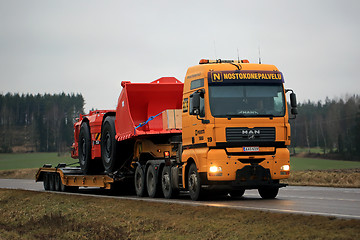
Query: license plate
251,149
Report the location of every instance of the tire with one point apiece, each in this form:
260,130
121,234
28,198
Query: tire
237,193
46,182
109,150
194,183
57,182
152,182
166,185
85,149
268,192
139,181
63,188
51,182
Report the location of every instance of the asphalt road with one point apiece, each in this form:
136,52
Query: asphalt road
332,202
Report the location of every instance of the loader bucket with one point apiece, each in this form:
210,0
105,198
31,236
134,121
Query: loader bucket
138,102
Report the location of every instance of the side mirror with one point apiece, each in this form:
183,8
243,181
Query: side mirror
195,103
294,111
293,102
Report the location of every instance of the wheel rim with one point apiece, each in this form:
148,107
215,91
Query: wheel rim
83,151
151,182
166,181
193,182
107,147
138,180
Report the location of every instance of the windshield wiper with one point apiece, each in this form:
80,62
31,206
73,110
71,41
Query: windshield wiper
229,116
264,115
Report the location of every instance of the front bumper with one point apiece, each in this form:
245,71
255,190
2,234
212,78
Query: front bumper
231,163
249,177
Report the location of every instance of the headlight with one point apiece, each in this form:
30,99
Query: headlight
285,168
214,169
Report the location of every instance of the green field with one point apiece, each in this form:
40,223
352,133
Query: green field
316,150
31,160
301,164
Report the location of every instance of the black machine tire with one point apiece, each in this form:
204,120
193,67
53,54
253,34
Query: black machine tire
46,182
57,182
139,181
237,193
109,149
268,192
152,182
194,183
166,185
85,149
51,182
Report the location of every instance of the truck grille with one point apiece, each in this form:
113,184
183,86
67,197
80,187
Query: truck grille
259,134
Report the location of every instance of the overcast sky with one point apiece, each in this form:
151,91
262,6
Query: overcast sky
89,47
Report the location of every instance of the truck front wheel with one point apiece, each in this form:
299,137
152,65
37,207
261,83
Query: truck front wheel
237,193
268,192
109,145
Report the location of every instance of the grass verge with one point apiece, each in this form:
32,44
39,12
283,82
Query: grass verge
301,164
27,173
325,178
35,215
32,160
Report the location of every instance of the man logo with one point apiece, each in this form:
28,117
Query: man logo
250,133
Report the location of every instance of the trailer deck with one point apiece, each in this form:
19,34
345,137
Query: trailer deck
62,178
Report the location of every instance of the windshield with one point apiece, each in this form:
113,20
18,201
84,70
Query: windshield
247,100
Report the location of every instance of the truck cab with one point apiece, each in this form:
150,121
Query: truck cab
235,128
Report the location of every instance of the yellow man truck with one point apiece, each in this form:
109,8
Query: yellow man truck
224,130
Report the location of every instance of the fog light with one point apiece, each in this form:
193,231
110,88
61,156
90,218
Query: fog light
285,168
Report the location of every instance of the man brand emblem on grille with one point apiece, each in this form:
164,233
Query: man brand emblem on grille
250,133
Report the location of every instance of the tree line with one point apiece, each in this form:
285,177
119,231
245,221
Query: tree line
44,123
332,125
38,123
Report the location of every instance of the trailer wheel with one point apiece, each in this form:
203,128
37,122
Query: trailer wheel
63,188
167,189
51,182
57,182
85,149
151,182
109,145
268,192
194,183
139,181
46,182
